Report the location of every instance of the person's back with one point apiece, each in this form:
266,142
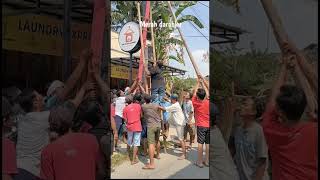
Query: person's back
73,156
119,106
288,146
151,115
132,114
32,137
157,78
292,142
201,112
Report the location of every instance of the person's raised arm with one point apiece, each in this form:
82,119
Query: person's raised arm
279,82
196,88
134,85
141,88
202,82
76,74
80,95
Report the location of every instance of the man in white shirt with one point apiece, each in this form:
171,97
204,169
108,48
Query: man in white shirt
178,120
188,111
120,105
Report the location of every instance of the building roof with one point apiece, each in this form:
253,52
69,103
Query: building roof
81,9
223,33
135,64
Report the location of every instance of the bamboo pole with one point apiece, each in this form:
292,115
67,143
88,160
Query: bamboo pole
188,50
282,39
152,40
142,50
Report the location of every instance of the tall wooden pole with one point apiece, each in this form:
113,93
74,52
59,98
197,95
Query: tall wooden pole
188,50
282,38
304,74
152,40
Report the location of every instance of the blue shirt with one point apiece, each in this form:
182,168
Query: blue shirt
166,114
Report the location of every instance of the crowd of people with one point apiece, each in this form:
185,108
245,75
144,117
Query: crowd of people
142,118
71,132
64,135
283,138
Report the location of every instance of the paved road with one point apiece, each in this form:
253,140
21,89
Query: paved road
167,167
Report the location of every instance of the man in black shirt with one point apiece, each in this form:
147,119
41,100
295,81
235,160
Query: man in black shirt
157,83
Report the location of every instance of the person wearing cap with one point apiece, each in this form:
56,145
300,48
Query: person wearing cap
178,120
132,115
53,93
58,91
9,162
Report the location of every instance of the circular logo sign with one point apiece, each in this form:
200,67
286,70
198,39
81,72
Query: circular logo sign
129,36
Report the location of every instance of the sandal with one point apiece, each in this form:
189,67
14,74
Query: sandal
134,162
147,167
204,163
200,166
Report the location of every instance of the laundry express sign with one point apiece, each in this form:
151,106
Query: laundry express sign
42,35
129,37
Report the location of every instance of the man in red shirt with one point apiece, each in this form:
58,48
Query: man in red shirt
132,115
292,142
9,161
71,155
202,118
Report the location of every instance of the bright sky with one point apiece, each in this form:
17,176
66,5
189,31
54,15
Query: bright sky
299,18
198,45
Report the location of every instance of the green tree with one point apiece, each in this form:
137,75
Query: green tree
251,72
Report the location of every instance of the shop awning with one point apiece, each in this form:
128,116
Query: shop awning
135,64
222,33
81,9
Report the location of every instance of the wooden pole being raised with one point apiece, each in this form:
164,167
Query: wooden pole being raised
152,40
283,39
206,85
305,75
143,37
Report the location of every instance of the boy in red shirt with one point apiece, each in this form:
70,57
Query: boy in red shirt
9,160
202,118
292,142
132,115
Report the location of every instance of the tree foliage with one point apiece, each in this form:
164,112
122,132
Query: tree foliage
183,84
167,47
251,72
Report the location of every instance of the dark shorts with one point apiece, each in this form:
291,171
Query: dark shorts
191,130
144,132
118,121
24,175
153,135
203,134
